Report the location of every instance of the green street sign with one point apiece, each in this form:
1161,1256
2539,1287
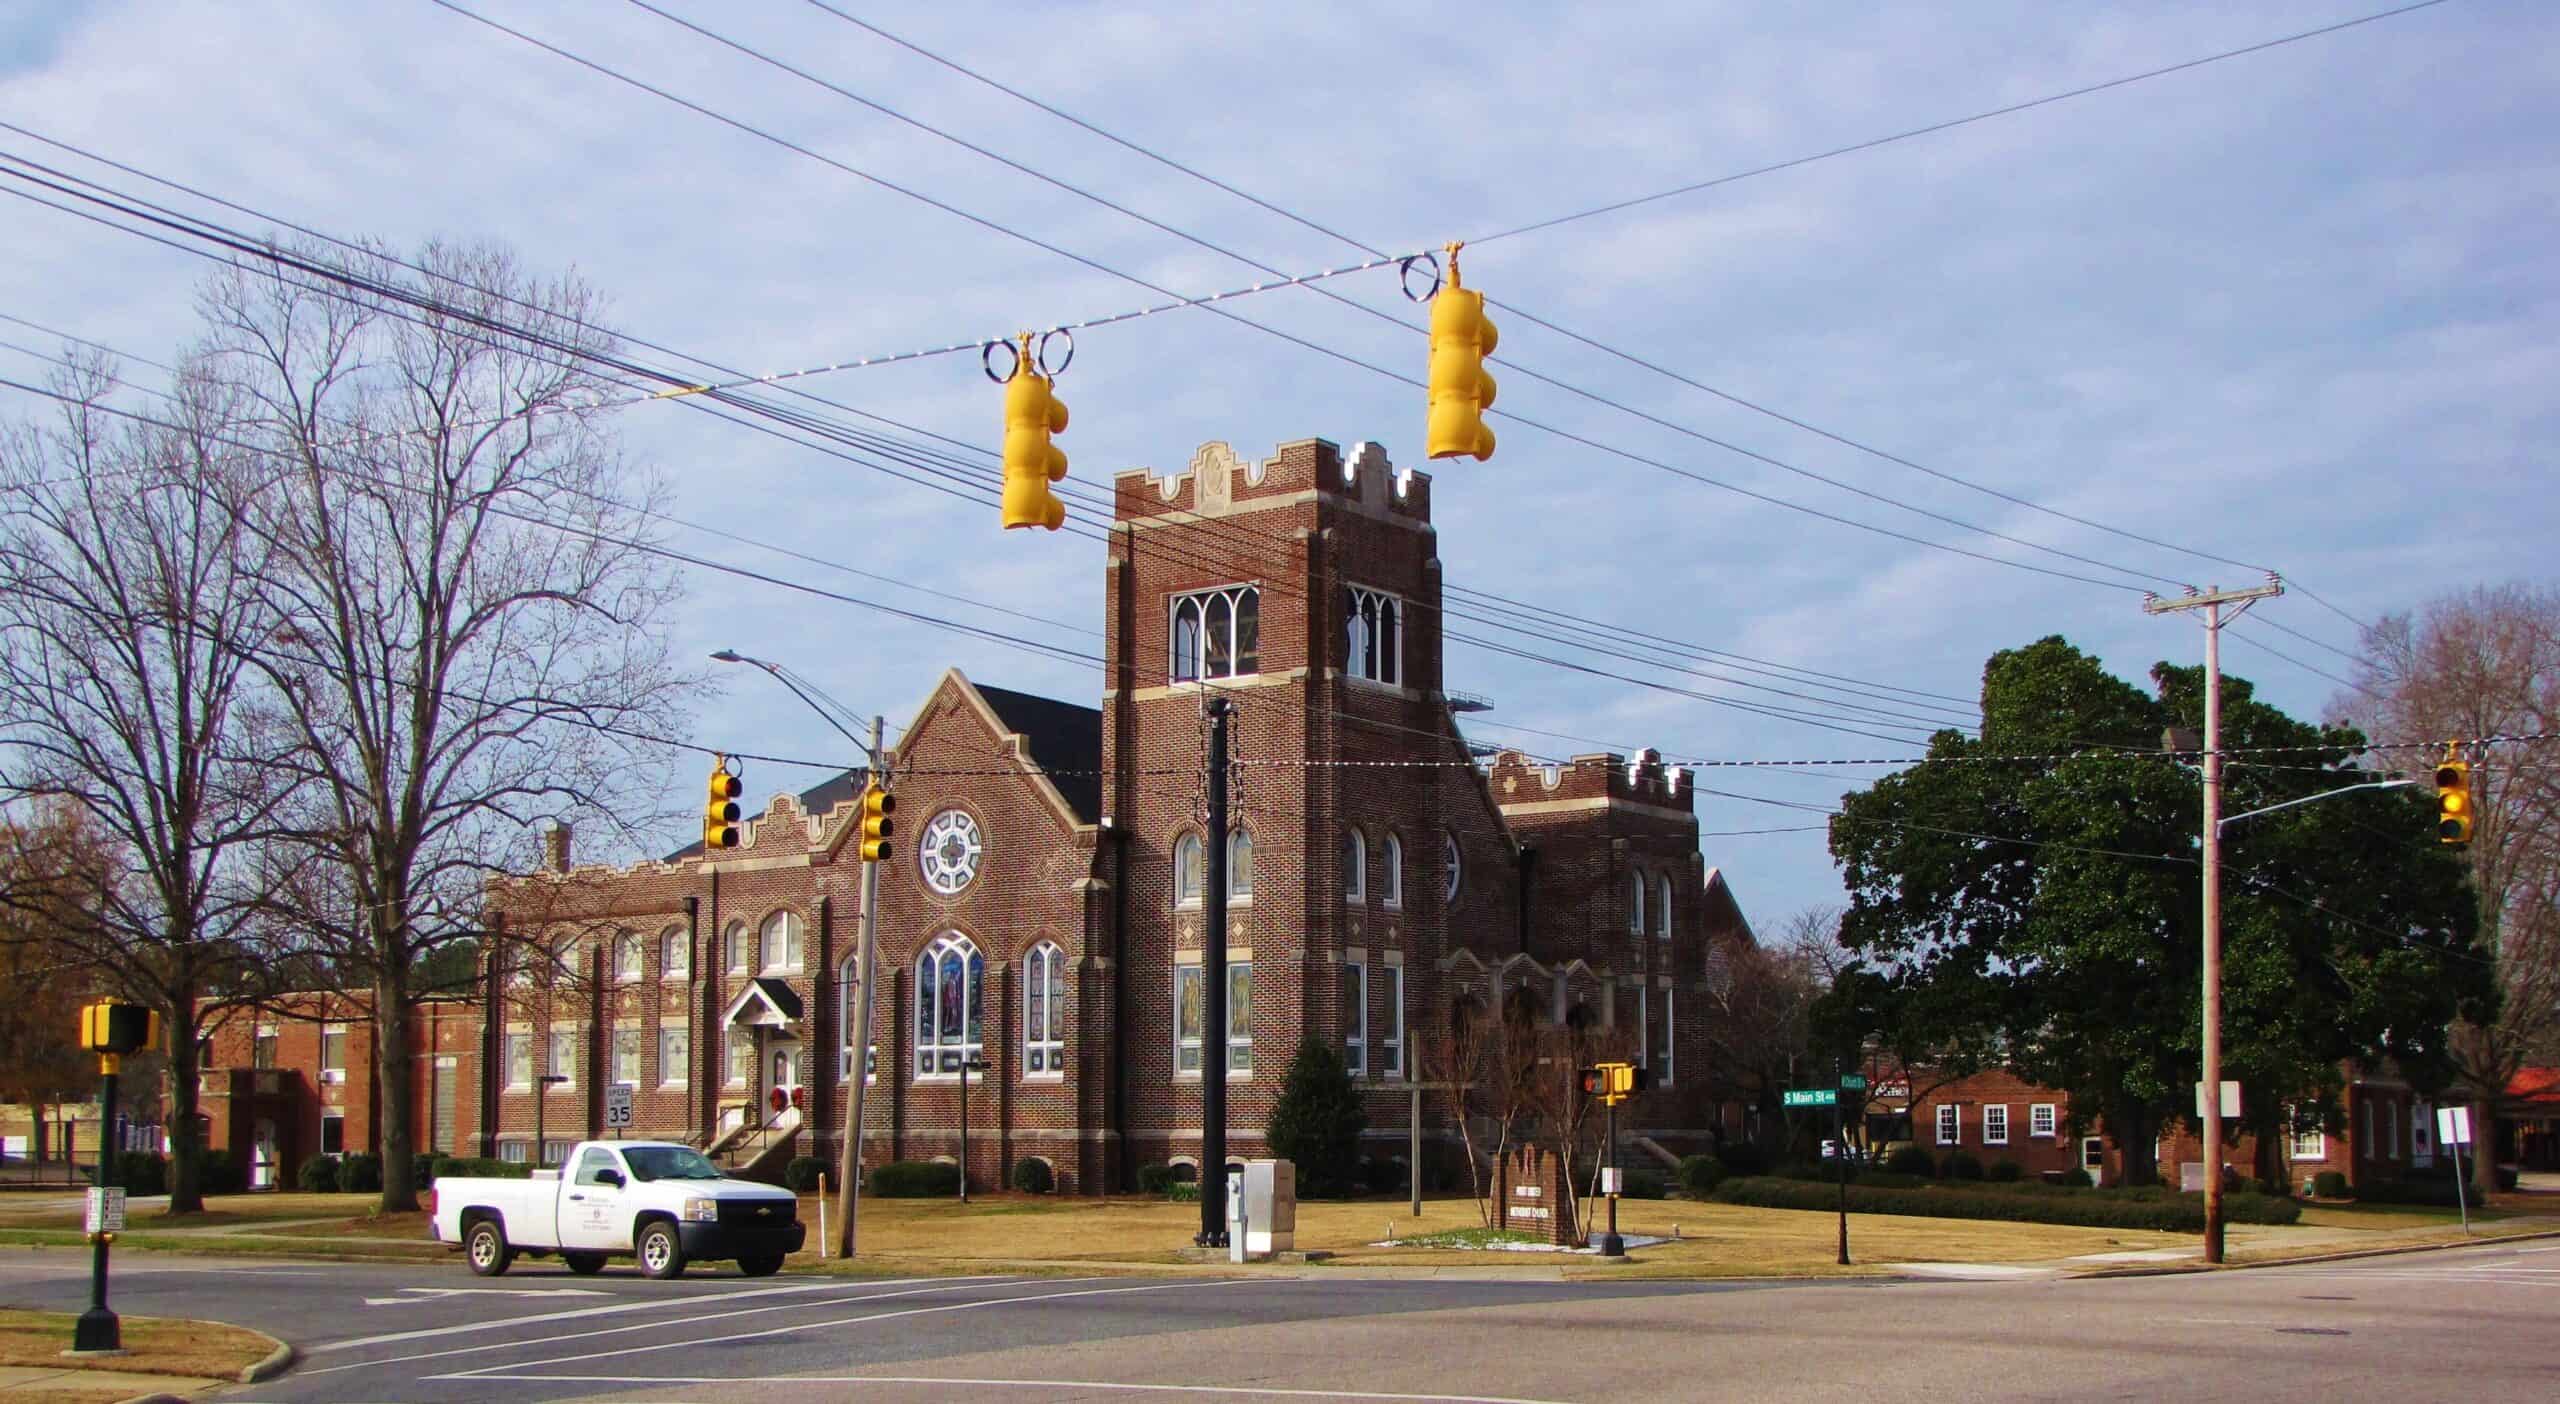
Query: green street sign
1812,1097
1853,1082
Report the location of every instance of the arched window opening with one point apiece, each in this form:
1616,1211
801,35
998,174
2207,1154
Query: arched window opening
1355,865
1216,634
782,944
950,994
1186,640
1662,907
1391,875
1239,865
1189,863
1635,904
1044,1010
734,948
675,954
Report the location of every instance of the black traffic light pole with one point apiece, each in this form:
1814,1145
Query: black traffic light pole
1213,995
1840,1143
1611,1245
98,1328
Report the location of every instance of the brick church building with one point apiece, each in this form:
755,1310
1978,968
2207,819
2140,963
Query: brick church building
1042,911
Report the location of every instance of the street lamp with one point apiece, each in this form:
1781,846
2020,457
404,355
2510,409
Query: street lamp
541,1109
967,1066
866,927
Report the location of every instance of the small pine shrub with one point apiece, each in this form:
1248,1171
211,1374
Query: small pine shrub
1960,1165
800,1176
1700,1174
1909,1160
2075,1178
360,1173
2329,1184
2004,1171
422,1168
1316,1123
319,1175
1155,1179
914,1179
138,1172
1032,1175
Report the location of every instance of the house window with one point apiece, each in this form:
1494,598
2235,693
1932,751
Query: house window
333,1052
675,1055
513,1152
1355,1017
1665,1041
519,1061
1391,1049
563,1063
1372,624
1450,865
950,989
2040,1120
675,954
2391,1130
1217,634
555,1152
626,957
1044,1011
626,1055
1995,1124
1950,1123
1644,1022
734,946
564,960
1391,877
2310,1144
782,943
1635,904
1355,865
262,1049
333,1135
742,1057
1239,865
1188,863
1662,907
1191,1017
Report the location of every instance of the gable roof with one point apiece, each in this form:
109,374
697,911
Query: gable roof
817,799
1065,742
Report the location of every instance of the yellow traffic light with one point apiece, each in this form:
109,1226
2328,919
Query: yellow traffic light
877,805
114,1028
2453,801
720,815
1461,389
1032,412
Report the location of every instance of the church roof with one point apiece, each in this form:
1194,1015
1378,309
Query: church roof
1065,741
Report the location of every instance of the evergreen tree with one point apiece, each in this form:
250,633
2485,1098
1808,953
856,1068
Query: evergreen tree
1317,1124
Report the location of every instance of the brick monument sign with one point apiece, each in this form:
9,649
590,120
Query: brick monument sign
1532,1195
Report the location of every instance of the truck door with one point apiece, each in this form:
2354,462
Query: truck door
591,1210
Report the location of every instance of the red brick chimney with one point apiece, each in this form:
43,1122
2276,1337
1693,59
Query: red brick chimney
555,848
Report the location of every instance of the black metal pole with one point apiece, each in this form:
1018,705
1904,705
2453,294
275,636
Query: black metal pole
1611,1245
1840,1143
1213,995
964,1129
98,1328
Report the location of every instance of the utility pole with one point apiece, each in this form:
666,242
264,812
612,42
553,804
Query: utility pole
866,926
99,1328
1840,1143
1213,994
2212,603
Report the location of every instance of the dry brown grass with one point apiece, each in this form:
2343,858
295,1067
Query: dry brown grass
221,1211
153,1345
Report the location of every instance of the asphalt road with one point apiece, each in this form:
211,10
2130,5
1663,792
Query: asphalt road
2473,1324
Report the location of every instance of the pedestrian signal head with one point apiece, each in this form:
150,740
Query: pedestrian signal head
720,814
1461,390
1032,412
114,1028
2453,802
877,805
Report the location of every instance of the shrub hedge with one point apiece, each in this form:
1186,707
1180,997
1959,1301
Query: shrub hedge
914,1179
2138,1210
319,1175
1909,1160
2329,1184
138,1172
1960,1165
1646,1184
1155,1179
2004,1171
1700,1174
360,1172
221,1173
1032,1175
460,1166
1743,1158
1379,1175
2440,1193
800,1174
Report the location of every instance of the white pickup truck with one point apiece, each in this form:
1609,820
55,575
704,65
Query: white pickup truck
658,1201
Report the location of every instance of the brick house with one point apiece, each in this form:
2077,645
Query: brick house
1042,911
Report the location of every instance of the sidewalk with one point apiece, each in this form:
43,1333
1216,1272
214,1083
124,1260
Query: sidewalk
98,1384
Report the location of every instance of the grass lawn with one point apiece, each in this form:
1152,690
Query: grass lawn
220,1211
1714,1239
153,1345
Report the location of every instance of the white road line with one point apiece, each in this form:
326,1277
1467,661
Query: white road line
1124,1386
943,1285
697,1341
651,1304
2538,1250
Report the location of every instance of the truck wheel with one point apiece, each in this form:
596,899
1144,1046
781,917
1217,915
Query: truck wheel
661,1252
584,1264
760,1265
487,1247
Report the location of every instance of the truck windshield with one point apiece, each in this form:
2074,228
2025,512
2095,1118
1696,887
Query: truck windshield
669,1163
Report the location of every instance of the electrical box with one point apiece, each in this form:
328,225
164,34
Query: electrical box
1270,1203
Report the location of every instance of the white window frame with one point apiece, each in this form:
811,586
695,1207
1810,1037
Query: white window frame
675,954
264,1045
1995,1123
738,1058
1239,1012
736,957
934,1045
1355,854
1635,902
628,961
1391,887
675,1054
1190,869
1239,865
1044,1009
516,1047
554,1040
1201,663
1667,1060
325,1119
333,1065
628,1055
1392,1047
2044,1121
514,1150
785,955
1662,906
1187,1053
1373,635
1355,1018
1644,1027
1950,1126
2309,1145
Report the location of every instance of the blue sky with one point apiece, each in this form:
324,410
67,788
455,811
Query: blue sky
2295,309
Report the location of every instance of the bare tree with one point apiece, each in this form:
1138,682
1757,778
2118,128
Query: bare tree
2486,662
1759,1035
470,607
126,586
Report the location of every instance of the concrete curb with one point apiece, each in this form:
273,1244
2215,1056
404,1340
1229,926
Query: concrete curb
277,1361
2387,1251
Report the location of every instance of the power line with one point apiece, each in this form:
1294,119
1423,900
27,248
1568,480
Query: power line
1952,123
